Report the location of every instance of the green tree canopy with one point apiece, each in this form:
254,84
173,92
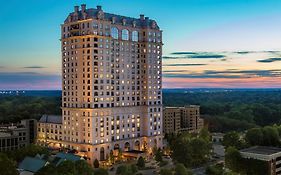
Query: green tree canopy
100,171
233,159
270,136
83,168
7,166
254,136
233,139
165,171
215,170
190,150
180,169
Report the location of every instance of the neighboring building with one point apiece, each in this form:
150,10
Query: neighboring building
178,119
18,135
270,155
111,85
171,120
31,165
50,130
217,137
190,118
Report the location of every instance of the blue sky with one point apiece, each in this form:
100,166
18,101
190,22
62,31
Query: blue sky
30,32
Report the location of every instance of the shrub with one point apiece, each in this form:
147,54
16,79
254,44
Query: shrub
96,163
141,162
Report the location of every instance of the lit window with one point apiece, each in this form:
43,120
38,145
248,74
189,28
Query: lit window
125,34
135,36
114,33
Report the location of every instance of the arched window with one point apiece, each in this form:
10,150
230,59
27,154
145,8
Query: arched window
114,32
135,36
125,34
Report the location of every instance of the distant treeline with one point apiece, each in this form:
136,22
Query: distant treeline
233,110
15,108
223,111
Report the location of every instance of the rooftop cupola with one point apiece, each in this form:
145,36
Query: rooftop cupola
142,16
76,9
99,7
83,7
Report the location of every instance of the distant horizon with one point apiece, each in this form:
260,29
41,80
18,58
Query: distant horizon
251,88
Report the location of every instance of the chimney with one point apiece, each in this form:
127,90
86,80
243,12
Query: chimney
99,7
141,16
83,7
76,9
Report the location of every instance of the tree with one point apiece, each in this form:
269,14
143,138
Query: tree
96,163
47,170
121,170
83,168
254,136
232,139
120,154
233,159
126,170
141,162
215,170
190,150
200,151
111,156
270,136
134,168
100,171
204,134
181,170
30,150
66,167
165,171
158,155
7,166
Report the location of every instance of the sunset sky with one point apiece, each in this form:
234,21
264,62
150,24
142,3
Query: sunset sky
207,43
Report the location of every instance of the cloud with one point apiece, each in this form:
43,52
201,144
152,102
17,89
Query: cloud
169,57
34,67
194,55
243,52
195,64
207,56
174,71
194,75
269,60
231,74
183,53
29,80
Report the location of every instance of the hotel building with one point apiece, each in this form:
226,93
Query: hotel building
111,85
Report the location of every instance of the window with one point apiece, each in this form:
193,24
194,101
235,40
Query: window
114,33
125,34
135,36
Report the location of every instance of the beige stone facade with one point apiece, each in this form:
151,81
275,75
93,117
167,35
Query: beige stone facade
171,120
178,119
111,84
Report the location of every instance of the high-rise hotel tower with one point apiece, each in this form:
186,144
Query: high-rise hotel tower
111,85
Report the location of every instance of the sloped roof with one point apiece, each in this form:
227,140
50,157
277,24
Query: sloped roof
66,156
32,164
56,119
93,13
